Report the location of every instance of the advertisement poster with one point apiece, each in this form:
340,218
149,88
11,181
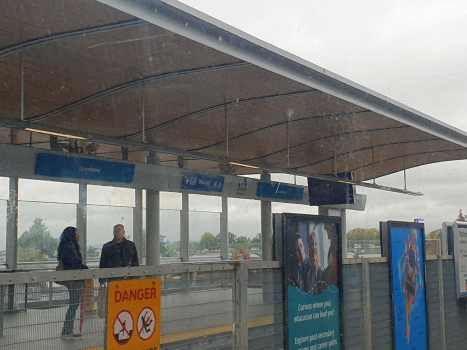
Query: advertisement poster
407,261
312,267
460,258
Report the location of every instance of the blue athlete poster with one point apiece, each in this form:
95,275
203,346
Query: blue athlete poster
312,266
407,259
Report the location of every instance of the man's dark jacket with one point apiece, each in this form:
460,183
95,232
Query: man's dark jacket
110,256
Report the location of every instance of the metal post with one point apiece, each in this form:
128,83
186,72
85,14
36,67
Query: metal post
226,127
152,221
266,223
3,294
288,145
138,223
22,85
405,176
184,223
323,211
373,161
343,215
143,117
441,302
367,303
241,310
12,226
81,219
334,162
225,228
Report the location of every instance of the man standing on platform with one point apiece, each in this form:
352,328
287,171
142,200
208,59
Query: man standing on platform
119,252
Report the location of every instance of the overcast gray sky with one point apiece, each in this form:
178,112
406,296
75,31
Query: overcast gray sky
411,51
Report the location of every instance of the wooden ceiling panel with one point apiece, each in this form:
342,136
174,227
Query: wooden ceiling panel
27,20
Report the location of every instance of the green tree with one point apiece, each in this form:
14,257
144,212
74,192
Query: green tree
232,238
243,240
173,248
31,254
362,234
209,241
257,238
92,252
38,237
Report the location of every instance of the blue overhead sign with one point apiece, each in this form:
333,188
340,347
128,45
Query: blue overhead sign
276,190
83,168
201,182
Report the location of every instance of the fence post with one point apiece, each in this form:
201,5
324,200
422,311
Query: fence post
367,304
441,302
241,307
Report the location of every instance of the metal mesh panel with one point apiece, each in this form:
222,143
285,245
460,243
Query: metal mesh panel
352,316
381,309
198,312
265,309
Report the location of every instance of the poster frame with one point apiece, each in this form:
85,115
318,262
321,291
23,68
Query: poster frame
401,224
448,242
459,294
284,217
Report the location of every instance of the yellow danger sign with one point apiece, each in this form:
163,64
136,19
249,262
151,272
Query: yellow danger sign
134,315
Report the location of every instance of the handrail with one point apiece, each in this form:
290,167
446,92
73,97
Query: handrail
14,277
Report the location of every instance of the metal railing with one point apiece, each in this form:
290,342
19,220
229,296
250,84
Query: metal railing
219,305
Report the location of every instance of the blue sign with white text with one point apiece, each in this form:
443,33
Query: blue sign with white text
276,190
201,182
83,168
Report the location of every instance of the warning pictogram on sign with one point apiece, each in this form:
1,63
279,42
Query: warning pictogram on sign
134,314
146,323
123,327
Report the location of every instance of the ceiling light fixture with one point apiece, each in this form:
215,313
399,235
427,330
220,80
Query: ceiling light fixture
244,165
55,134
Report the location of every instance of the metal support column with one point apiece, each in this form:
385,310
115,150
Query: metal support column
225,228
184,223
138,223
153,239
343,215
266,223
81,219
241,309
323,211
367,304
12,226
441,302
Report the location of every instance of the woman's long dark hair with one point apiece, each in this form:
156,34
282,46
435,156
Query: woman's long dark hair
68,235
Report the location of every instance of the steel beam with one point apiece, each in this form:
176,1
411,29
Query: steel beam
12,226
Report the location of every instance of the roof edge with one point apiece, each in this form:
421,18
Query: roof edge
188,22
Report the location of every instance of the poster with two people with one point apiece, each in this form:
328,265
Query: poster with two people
312,266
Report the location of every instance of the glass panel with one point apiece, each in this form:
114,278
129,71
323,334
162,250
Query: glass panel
108,195
244,229
198,202
168,200
2,230
100,223
4,187
294,208
39,228
204,234
170,233
47,191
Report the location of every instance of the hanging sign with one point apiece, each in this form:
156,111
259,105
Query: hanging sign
202,182
56,165
276,190
134,320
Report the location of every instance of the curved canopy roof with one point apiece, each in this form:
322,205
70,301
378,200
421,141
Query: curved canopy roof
192,83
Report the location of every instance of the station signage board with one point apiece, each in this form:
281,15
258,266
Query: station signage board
56,165
460,258
277,190
202,182
134,319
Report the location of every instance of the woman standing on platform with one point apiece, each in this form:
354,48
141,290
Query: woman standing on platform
69,256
